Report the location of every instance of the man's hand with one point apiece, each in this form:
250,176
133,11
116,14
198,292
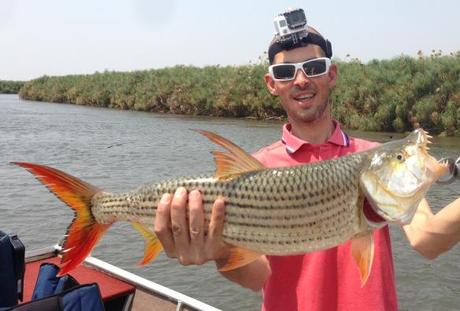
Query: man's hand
184,235
183,232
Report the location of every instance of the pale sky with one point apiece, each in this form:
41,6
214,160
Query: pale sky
59,37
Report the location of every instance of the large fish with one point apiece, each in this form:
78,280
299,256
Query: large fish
276,211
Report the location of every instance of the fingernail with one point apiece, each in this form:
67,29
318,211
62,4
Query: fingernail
180,191
166,198
194,193
220,199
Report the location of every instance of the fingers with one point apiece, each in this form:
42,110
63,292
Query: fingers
182,231
215,245
216,224
179,224
163,225
196,227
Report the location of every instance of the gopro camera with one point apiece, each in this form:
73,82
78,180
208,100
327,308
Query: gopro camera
292,31
291,26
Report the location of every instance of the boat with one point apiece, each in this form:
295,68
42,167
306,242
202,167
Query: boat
120,289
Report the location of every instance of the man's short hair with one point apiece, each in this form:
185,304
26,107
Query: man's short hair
313,37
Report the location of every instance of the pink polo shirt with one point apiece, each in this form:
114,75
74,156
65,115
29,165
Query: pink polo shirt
329,279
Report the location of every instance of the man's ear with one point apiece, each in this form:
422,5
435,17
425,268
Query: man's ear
333,72
270,83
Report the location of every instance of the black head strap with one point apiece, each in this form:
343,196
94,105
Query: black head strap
311,38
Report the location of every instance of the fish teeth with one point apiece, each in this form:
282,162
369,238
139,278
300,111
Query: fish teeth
428,137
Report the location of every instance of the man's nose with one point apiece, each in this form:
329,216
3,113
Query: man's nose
301,79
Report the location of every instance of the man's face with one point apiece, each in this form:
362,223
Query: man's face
304,99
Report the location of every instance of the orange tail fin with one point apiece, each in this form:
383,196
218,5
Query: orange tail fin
84,232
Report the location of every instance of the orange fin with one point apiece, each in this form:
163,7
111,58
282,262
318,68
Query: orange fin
234,162
84,232
362,250
152,245
239,257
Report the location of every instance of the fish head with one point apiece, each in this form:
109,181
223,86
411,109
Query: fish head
398,176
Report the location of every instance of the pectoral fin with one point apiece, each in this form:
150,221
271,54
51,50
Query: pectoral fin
239,257
362,250
152,245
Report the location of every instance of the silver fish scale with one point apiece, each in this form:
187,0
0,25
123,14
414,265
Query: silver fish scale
296,209
273,211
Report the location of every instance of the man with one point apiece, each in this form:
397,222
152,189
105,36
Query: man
323,280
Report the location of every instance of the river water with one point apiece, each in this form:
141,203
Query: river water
120,150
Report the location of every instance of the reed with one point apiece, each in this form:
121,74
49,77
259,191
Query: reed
10,87
394,95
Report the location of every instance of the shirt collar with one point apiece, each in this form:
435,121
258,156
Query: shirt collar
293,143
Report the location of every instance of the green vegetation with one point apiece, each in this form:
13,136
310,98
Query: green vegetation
383,95
400,94
10,87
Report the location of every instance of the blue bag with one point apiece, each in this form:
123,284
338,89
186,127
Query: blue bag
48,283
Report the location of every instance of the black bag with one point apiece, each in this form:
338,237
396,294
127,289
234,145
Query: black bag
79,298
12,269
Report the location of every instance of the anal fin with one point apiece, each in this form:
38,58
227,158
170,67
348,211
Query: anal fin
152,245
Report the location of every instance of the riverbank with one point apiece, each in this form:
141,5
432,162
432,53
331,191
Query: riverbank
10,87
394,95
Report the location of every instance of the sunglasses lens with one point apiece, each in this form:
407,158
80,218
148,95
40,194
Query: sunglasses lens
315,67
312,68
284,72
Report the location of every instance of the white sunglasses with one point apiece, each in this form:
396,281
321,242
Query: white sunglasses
311,68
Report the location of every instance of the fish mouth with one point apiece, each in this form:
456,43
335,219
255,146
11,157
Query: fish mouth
436,168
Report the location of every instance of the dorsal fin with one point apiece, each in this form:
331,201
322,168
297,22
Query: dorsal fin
234,162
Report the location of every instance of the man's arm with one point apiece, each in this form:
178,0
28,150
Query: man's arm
181,229
432,235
